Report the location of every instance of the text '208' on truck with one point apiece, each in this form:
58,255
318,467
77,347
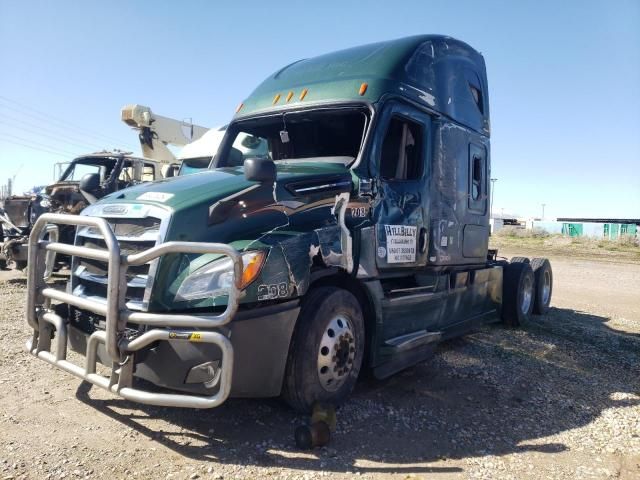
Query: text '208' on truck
343,225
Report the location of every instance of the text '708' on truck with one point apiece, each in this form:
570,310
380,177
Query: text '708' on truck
343,225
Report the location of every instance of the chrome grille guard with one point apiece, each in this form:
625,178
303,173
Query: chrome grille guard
42,319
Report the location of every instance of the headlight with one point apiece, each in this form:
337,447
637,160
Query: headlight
216,278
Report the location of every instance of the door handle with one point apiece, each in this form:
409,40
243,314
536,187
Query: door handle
423,240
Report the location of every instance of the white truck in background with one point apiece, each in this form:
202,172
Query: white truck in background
197,155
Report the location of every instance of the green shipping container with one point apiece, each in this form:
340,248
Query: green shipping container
572,229
611,230
629,229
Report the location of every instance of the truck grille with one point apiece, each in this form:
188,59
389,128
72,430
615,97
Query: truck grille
134,235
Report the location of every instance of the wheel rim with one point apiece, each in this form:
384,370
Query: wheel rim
527,295
336,354
546,288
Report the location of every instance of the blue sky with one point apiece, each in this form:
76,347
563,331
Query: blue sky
564,80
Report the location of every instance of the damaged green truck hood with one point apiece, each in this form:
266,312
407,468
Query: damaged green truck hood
293,221
183,193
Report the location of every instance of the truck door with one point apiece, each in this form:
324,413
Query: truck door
400,210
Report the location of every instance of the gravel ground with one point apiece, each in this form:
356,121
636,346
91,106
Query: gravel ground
559,398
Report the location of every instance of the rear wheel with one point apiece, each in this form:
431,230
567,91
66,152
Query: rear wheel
544,285
520,260
327,350
518,290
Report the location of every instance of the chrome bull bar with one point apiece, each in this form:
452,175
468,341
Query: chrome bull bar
43,320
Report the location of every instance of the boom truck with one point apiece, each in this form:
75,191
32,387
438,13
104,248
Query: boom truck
89,177
343,225
82,182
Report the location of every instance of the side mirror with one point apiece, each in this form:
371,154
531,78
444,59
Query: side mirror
90,186
260,170
90,182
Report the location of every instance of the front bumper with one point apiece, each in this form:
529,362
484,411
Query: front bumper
16,248
260,338
120,345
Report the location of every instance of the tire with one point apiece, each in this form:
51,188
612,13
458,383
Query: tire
544,285
309,376
520,260
518,291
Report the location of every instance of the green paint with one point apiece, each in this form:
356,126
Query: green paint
338,76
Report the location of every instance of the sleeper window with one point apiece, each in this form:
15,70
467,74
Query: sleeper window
476,181
401,157
477,97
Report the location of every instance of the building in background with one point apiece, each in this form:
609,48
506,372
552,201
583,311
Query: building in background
607,228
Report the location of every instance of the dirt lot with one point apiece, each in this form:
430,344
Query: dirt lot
559,398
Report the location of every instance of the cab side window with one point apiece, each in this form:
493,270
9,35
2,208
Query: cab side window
402,150
148,173
126,174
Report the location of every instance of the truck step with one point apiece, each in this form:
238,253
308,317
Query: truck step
404,359
411,340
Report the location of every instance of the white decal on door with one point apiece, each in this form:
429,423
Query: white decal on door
401,243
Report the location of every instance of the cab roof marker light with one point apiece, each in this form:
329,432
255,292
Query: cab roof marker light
303,93
239,107
363,88
276,99
289,96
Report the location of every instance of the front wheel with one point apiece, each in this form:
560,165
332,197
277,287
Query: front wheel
327,350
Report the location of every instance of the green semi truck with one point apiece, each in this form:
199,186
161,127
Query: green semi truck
343,225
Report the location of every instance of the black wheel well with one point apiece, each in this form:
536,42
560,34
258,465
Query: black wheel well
340,279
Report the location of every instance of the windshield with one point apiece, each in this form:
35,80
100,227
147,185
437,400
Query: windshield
194,165
329,135
77,170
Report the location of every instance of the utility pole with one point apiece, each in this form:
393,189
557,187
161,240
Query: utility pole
493,187
543,205
12,180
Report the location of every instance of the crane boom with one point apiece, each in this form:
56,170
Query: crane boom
156,132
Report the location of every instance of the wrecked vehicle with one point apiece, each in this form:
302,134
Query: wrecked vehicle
83,182
343,225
